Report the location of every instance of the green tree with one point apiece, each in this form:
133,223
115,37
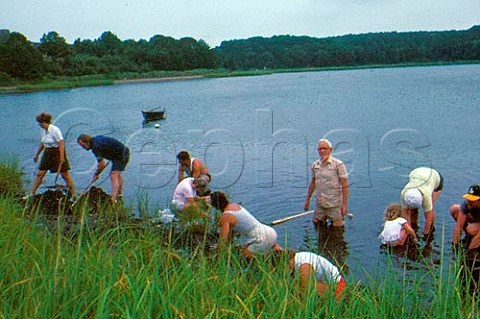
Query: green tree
57,53
20,59
55,46
108,44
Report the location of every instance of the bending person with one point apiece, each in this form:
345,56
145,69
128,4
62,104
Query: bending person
396,229
467,218
54,157
422,190
260,238
187,192
191,167
104,147
310,265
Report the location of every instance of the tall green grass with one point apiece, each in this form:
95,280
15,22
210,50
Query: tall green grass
11,183
138,272
127,270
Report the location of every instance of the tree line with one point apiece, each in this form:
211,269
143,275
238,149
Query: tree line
351,50
53,56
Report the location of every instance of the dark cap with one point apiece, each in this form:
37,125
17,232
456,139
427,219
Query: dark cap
473,193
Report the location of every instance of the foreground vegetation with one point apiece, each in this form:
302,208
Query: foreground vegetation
128,270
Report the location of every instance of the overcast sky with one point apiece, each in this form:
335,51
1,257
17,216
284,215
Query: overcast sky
218,20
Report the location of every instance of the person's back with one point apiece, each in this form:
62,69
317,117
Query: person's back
246,222
391,232
424,178
108,147
182,192
324,269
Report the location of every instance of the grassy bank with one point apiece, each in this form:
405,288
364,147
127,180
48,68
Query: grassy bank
131,270
135,272
58,83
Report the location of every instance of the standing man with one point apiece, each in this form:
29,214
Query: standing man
330,185
422,190
191,167
104,147
467,217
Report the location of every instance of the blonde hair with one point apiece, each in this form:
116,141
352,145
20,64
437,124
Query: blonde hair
393,211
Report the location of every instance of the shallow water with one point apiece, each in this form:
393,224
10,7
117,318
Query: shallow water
258,134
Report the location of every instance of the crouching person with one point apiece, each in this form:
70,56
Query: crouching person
315,269
260,238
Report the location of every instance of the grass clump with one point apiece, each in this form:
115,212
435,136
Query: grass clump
11,183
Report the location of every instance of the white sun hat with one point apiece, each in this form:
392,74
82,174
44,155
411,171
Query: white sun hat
412,198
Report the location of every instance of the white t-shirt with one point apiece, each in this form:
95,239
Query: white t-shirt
182,192
391,230
51,137
324,270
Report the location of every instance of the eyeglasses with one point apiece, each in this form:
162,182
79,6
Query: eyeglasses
323,148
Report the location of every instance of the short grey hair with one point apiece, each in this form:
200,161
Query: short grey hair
324,140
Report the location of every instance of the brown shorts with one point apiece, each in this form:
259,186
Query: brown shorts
330,213
51,160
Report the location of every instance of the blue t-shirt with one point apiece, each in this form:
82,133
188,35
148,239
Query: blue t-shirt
474,213
109,148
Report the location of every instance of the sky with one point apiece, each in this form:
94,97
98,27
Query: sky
217,20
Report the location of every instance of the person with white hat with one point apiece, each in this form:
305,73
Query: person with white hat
467,217
422,190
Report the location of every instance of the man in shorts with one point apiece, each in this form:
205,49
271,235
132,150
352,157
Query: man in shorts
104,147
330,185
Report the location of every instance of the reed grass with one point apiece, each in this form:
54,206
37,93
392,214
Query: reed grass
127,270
134,272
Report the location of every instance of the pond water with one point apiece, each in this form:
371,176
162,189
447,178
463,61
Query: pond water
258,137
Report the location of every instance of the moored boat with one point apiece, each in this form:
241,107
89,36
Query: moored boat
154,114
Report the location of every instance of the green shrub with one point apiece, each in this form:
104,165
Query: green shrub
11,183
6,80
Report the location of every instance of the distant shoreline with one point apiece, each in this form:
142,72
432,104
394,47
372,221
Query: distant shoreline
70,83
164,79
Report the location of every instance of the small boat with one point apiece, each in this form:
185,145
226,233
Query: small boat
154,114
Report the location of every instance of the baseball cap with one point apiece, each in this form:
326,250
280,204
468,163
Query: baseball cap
412,198
473,193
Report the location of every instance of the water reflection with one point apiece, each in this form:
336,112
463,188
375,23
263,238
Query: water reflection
414,256
330,243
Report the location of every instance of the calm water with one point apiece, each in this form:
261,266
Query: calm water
258,136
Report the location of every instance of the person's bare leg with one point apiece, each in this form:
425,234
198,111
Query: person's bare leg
69,180
39,176
114,177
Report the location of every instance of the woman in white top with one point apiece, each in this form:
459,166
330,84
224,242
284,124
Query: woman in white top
396,229
54,157
260,238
